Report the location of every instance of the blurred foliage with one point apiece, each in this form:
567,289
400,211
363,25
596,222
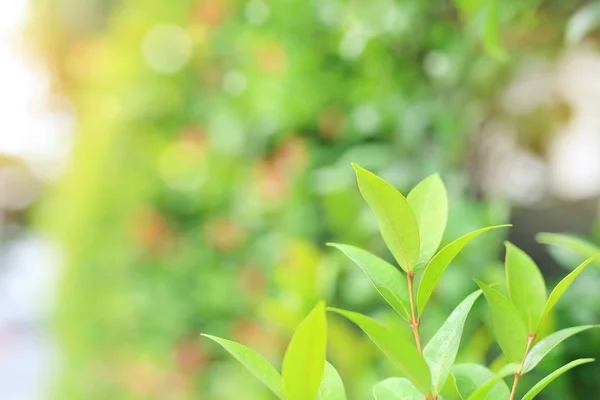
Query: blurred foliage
213,161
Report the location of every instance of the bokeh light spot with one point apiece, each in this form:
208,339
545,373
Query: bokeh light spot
235,83
257,12
166,48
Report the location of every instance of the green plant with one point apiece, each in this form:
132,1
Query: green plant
412,228
518,320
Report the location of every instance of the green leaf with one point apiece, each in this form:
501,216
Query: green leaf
332,387
396,389
254,362
441,350
509,328
387,279
429,202
580,246
544,346
304,359
397,222
526,286
440,262
398,349
491,35
483,392
468,377
562,286
549,378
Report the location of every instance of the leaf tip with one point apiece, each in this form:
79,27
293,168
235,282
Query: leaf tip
211,337
434,177
502,226
320,306
542,237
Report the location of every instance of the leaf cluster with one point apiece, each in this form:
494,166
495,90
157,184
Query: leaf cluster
412,228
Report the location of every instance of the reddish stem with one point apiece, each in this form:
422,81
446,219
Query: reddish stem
414,322
519,372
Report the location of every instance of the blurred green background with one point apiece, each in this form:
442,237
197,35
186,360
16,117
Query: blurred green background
211,163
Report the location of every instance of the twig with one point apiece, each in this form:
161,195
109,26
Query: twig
519,372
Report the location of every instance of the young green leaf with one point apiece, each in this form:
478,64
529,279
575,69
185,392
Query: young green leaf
549,378
580,246
441,350
254,362
396,389
544,346
429,202
526,286
398,349
483,391
562,286
509,328
304,359
387,279
332,387
468,377
440,262
397,222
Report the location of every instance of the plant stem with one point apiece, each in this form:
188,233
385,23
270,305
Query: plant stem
414,322
513,392
519,372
